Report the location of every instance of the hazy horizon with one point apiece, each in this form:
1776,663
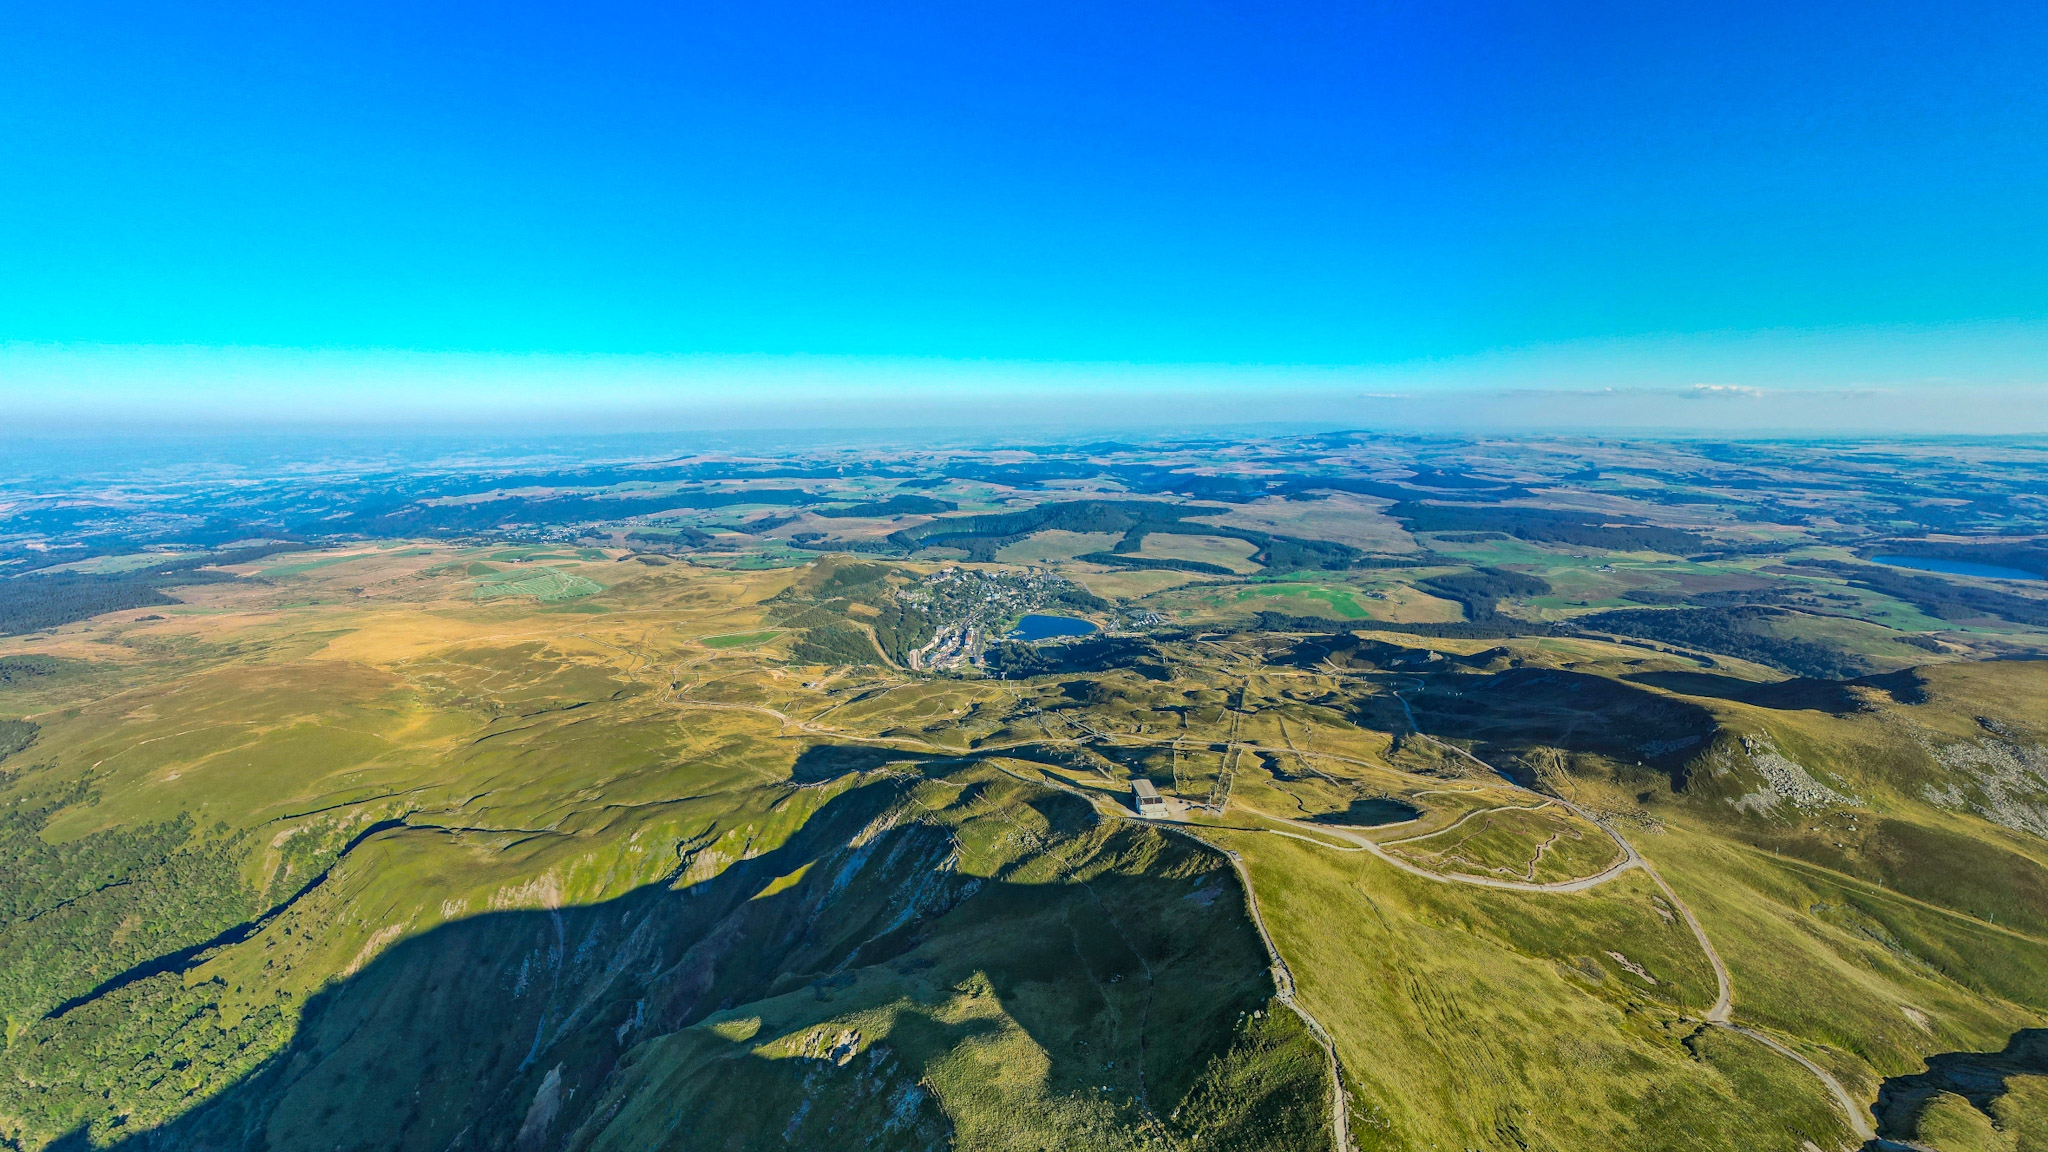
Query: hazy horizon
1863,383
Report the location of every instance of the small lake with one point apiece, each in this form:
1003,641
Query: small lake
1371,813
1957,567
1033,628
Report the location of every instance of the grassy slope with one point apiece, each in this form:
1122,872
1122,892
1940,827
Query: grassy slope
1496,1020
1860,931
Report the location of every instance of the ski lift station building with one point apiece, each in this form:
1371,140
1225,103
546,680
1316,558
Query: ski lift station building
1150,802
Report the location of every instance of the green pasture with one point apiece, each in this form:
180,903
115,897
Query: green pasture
740,639
1428,985
550,585
1225,551
291,567
1056,545
1334,601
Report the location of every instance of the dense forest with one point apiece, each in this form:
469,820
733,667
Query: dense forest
671,539
1741,631
1284,552
833,642
899,505
1297,487
81,912
982,535
823,611
34,602
1544,526
2025,557
819,542
1945,599
1159,563
485,515
1164,479
1066,515
1497,628
1481,590
16,735
92,934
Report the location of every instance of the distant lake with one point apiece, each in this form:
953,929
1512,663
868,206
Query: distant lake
1957,567
1046,627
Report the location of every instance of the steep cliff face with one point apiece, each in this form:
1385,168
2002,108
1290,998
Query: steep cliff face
916,961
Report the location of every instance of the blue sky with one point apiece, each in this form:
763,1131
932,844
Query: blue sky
658,200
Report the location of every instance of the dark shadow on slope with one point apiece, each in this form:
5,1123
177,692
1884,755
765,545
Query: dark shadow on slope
1530,707
821,762
466,1012
1835,697
1705,684
1090,757
1364,654
1906,686
1370,812
1979,1077
185,959
507,1030
1013,660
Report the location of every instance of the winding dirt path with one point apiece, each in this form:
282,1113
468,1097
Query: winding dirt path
1283,976
1362,843
1724,997
1284,991
1843,1100
1719,1016
1453,825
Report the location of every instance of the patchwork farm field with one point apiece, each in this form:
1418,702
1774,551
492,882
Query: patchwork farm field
1507,800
